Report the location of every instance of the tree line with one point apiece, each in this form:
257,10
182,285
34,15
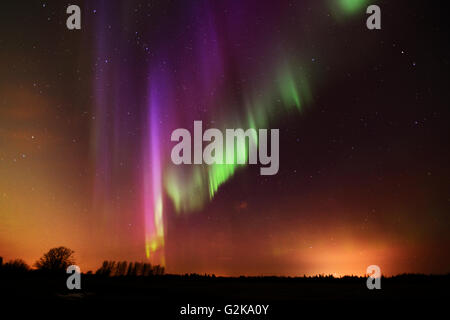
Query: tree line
56,260
123,268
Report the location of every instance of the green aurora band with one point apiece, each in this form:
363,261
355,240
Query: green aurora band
190,190
287,91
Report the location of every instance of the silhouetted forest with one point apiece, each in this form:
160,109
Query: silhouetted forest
56,260
124,268
119,283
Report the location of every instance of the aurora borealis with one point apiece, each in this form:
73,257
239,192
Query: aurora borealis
86,118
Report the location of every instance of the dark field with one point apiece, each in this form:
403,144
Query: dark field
287,297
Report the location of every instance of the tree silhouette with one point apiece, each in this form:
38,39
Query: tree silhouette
56,260
17,265
133,269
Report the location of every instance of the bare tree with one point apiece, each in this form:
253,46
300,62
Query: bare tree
158,270
17,265
56,259
121,268
130,269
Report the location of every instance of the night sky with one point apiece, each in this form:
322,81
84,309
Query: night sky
86,117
